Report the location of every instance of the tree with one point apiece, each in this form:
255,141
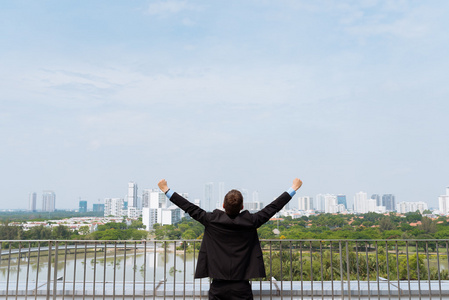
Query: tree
189,234
412,217
386,224
39,233
84,230
428,225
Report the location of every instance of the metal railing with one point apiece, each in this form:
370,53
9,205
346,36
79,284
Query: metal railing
320,269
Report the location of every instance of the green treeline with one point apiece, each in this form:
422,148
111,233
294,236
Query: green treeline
22,216
316,263
370,226
108,231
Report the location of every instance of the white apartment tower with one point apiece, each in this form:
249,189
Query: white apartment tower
114,207
443,202
32,198
360,203
319,202
132,194
160,210
405,207
48,201
305,203
330,204
208,196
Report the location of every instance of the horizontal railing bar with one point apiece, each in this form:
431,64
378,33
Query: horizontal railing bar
262,240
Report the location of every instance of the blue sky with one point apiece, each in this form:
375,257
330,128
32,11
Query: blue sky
348,95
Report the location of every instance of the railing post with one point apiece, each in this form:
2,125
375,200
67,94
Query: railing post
18,269
348,271
55,271
49,270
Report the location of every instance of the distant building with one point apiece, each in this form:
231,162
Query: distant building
32,199
82,206
443,202
377,198
341,199
114,207
134,212
160,210
405,207
48,201
305,203
170,215
208,196
132,194
389,202
145,198
330,204
149,217
156,199
319,202
360,203
98,207
253,206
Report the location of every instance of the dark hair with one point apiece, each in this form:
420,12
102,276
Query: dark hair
233,202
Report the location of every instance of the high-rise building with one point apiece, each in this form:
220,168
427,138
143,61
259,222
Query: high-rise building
330,204
319,200
377,198
360,203
305,203
341,199
134,212
208,196
132,194
253,206
443,202
389,202
98,207
146,198
363,205
159,210
156,199
32,199
114,207
48,201
82,206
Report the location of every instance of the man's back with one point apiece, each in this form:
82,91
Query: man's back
230,253
230,249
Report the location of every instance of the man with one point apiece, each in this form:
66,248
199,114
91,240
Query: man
230,253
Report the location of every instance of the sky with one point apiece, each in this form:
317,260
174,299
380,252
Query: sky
349,96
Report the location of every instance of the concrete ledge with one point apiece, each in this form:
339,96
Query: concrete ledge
261,289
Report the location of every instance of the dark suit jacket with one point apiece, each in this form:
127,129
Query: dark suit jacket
230,249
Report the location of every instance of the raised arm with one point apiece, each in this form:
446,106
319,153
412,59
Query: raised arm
193,210
271,209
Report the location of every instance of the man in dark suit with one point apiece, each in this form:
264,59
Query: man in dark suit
230,252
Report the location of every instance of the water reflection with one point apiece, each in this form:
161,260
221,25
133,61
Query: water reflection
114,264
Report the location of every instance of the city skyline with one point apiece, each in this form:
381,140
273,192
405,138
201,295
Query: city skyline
346,95
386,199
